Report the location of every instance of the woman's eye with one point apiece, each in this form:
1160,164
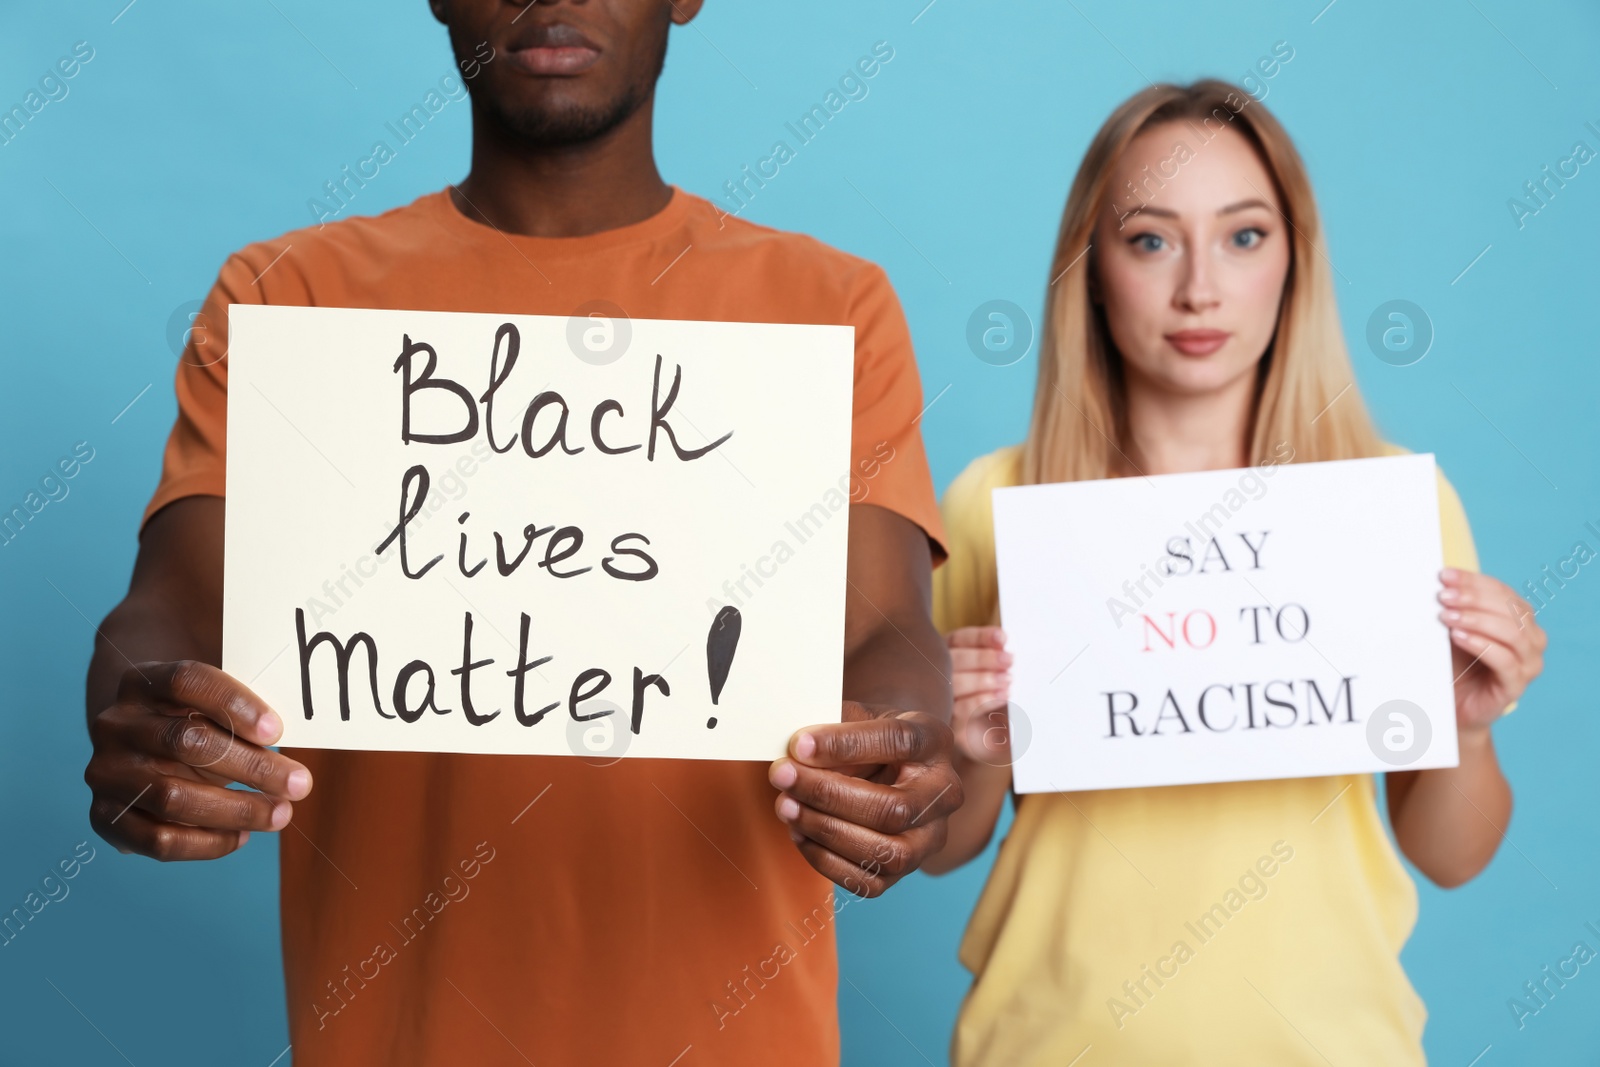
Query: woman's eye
1248,238
1148,242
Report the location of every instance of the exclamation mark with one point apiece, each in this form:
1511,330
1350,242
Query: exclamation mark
721,643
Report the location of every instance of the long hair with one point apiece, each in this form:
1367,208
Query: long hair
1306,397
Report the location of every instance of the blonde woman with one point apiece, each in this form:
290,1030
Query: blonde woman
1190,325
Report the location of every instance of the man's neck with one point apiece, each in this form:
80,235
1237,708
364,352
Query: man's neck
566,190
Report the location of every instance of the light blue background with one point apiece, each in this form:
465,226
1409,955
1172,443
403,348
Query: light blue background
199,127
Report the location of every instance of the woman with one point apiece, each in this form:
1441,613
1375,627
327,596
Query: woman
1191,326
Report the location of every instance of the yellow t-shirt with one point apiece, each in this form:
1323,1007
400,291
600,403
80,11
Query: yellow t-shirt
1235,923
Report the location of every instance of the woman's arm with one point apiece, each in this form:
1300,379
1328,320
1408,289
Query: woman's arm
972,824
1449,821
981,683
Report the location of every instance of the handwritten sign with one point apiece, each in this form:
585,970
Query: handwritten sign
529,534
1272,622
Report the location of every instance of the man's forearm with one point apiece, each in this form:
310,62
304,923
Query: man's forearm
173,609
902,664
139,630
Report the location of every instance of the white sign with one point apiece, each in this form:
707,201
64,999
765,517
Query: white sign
518,534
1271,622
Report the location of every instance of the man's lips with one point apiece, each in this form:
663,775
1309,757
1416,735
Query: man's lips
554,49
555,61
1198,342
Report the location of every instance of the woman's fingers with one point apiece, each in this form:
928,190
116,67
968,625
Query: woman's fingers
1503,661
980,659
978,704
977,637
1468,590
1495,635
985,735
974,683
1491,625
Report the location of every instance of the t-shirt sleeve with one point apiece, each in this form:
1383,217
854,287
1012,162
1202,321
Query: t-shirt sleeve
195,460
966,589
1459,550
889,462
1454,532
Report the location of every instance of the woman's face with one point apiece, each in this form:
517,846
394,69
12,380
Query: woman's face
1191,254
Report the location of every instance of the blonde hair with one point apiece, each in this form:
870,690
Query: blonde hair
1305,386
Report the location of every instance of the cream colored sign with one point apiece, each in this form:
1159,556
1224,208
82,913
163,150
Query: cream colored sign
513,534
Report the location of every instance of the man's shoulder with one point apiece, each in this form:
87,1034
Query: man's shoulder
799,252
328,244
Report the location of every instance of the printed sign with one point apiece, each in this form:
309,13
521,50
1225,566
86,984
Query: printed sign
1272,622
516,534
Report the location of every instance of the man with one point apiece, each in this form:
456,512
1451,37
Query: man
649,911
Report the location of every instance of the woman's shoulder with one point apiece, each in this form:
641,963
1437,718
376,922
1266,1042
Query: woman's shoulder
1000,468
1459,549
1445,488
964,590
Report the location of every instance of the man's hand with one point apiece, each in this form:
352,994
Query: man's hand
868,799
164,752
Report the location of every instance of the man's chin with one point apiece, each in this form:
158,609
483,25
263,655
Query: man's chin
559,123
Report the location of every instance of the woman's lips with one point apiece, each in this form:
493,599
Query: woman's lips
1198,342
557,60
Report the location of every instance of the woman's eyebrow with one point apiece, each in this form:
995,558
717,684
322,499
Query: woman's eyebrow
1166,213
1146,209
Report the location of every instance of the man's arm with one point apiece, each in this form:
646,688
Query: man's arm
868,799
169,729
893,655
173,609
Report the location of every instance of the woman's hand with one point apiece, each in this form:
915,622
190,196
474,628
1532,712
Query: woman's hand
981,681
980,685
1498,648
1450,820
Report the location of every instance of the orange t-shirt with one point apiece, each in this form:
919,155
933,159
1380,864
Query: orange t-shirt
648,912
